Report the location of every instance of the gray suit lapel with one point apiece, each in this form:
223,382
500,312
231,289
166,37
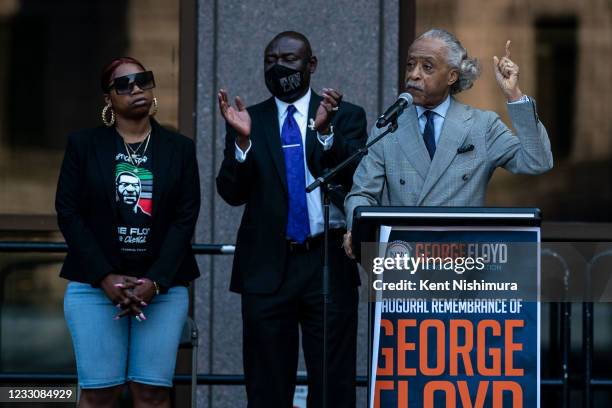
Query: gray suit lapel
454,132
410,142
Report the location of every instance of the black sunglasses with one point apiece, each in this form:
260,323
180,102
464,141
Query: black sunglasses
124,85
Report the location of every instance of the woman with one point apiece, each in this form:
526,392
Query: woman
127,202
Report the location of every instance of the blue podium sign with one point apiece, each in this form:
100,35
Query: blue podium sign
464,340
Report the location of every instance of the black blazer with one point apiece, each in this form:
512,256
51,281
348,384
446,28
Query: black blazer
260,183
87,214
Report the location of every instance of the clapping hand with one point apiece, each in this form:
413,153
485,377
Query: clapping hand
327,109
237,117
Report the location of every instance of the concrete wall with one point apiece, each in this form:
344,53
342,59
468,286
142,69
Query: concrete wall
357,45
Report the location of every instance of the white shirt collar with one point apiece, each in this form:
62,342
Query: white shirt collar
441,109
301,105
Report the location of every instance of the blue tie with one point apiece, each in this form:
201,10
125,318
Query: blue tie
298,226
429,134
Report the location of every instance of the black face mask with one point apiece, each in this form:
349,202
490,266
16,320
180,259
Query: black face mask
285,83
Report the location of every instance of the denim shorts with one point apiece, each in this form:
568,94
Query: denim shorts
111,352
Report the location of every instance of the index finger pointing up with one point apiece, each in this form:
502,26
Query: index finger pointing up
508,49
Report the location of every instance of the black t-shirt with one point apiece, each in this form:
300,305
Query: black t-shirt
134,196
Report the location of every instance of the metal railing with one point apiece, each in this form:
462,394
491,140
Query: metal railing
581,380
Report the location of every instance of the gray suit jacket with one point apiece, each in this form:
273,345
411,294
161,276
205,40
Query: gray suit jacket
398,171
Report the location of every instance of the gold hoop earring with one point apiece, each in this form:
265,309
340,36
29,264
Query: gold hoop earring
107,122
155,107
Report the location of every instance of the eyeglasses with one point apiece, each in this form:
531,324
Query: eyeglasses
125,85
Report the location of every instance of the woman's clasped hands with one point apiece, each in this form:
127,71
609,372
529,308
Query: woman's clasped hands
129,294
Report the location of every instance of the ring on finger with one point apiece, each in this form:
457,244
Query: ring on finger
335,108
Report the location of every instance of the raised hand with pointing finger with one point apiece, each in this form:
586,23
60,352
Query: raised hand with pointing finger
507,75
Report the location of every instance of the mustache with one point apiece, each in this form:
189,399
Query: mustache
411,85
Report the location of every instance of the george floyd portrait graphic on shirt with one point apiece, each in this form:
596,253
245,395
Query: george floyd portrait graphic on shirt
134,197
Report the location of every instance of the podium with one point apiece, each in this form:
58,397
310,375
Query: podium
454,312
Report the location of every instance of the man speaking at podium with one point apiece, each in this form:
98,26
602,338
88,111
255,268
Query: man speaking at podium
444,152
273,150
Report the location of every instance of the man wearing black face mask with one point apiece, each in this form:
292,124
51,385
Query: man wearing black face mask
273,151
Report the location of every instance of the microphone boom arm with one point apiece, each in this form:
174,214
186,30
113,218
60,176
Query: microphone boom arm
362,151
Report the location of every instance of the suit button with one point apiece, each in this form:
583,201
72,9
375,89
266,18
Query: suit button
402,182
465,177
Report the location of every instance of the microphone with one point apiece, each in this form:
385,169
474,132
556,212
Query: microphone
391,114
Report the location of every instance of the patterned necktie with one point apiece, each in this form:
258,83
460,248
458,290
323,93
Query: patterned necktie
298,226
429,133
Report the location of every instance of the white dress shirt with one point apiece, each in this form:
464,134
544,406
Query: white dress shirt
313,199
438,119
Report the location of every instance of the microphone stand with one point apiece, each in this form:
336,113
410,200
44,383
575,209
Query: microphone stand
324,183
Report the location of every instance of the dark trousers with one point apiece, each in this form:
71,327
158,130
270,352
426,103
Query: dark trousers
271,326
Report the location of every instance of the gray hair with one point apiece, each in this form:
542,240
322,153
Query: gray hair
457,57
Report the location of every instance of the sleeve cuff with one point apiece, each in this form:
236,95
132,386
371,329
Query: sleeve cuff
523,99
326,140
240,155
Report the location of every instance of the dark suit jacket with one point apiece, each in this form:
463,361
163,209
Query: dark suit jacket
87,213
260,183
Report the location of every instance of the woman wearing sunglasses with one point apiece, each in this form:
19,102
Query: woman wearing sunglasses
127,202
